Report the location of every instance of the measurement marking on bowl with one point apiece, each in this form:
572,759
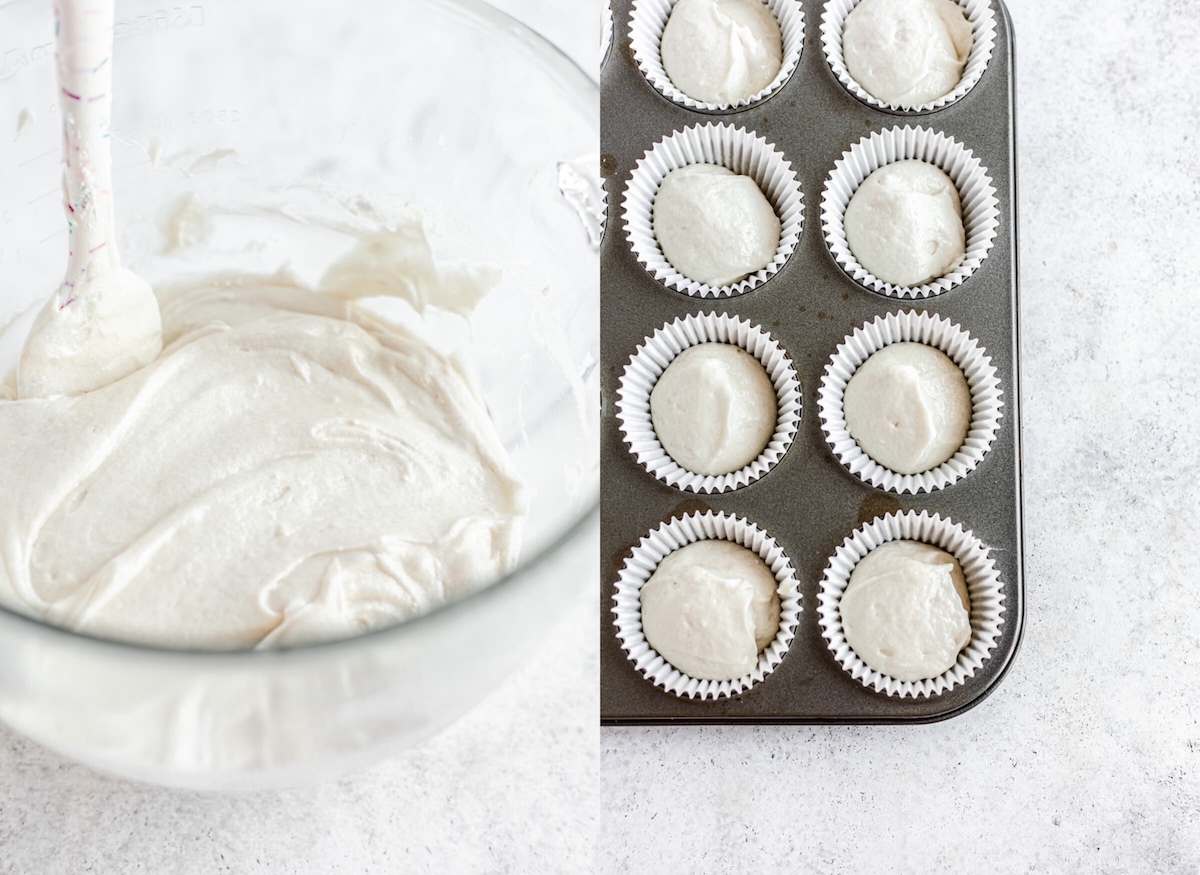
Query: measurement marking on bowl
14,59
48,152
44,194
176,18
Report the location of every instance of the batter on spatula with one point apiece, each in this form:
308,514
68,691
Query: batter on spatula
103,322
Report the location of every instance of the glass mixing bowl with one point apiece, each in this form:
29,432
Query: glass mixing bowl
222,109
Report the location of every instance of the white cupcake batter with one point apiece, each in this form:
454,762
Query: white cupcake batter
908,407
714,409
906,52
713,225
904,224
906,610
288,469
721,51
710,608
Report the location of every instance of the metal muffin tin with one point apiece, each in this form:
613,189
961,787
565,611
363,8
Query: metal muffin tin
809,502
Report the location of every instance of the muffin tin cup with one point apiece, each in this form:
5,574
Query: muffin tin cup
980,205
983,41
647,20
987,399
657,545
983,584
735,149
656,354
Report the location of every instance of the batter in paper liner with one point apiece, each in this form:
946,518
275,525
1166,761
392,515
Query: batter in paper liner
906,610
904,223
714,409
721,51
710,609
907,52
289,469
713,225
908,407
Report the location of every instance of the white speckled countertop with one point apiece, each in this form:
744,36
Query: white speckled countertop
1087,757
511,787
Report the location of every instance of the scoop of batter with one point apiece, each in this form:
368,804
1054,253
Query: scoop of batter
710,608
714,409
904,223
906,52
908,407
721,51
714,226
288,470
906,610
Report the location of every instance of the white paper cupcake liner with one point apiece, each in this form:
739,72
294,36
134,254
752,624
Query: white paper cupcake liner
987,398
983,42
647,20
652,549
980,206
606,31
983,585
735,149
653,357
603,206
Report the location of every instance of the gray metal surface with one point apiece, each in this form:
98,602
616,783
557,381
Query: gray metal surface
808,502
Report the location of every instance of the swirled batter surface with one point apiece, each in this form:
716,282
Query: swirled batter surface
288,469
